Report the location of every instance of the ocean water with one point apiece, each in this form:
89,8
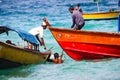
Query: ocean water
27,14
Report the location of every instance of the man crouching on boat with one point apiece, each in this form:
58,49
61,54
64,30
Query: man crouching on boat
77,18
39,31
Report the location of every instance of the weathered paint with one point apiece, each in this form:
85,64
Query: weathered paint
87,44
14,54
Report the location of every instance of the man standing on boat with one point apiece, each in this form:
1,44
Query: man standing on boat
38,31
78,20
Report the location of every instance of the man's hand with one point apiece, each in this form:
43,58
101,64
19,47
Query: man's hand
45,47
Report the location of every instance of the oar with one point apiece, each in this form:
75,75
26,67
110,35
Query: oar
63,54
50,48
49,54
96,1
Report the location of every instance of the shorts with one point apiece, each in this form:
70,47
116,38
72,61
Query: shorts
79,27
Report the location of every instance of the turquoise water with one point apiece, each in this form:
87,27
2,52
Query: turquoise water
27,14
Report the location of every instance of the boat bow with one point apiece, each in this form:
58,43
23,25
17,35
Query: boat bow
79,44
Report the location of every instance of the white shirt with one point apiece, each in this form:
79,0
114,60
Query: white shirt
52,56
36,31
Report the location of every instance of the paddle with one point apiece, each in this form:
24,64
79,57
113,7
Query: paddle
63,54
96,1
50,48
49,54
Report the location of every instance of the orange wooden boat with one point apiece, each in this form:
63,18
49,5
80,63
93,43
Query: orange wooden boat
86,45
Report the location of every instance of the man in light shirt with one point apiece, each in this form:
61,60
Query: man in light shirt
39,31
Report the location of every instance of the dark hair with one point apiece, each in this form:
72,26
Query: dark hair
71,8
78,4
56,55
8,41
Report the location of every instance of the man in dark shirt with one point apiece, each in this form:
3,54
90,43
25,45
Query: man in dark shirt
77,19
56,58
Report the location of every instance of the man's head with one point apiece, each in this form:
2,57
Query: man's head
56,55
44,25
8,41
78,5
71,9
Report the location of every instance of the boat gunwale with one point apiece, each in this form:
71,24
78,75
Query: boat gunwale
86,32
22,49
92,13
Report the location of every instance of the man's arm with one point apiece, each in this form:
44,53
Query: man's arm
61,55
38,40
73,20
42,41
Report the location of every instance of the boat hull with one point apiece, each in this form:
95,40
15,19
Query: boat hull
79,51
5,64
85,45
17,56
101,16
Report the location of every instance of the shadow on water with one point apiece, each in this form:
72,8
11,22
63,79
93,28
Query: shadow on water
22,71
101,60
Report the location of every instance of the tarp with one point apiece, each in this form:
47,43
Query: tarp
23,34
119,3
